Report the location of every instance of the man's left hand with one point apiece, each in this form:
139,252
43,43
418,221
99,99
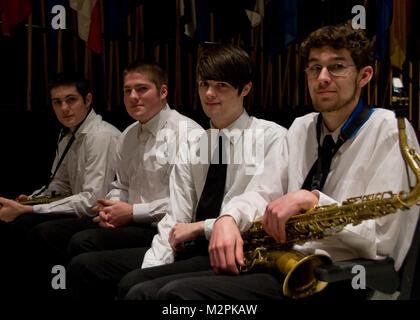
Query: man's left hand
10,209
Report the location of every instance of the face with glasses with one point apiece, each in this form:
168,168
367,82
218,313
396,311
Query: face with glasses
334,81
69,106
142,98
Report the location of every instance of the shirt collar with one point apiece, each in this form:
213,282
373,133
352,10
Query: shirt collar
156,123
240,123
84,128
334,133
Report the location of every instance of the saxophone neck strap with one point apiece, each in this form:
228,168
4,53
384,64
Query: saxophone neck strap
69,144
356,120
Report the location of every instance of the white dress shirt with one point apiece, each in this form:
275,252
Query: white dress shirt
146,154
189,176
87,169
369,162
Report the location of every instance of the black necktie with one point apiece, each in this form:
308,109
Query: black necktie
319,171
212,196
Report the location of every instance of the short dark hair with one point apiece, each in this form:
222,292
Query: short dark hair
153,70
339,37
225,62
70,79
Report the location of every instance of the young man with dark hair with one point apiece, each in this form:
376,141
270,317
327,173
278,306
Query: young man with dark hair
83,168
87,167
364,158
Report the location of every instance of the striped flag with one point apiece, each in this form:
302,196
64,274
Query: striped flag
88,22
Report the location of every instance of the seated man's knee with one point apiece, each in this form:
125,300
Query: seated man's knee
147,290
174,290
81,242
41,233
126,283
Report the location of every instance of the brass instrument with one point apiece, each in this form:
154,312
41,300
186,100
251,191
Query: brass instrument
261,250
42,200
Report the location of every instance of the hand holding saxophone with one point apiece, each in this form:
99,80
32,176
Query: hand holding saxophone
10,209
280,210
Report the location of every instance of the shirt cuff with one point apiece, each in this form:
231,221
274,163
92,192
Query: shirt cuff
208,227
41,208
325,200
141,213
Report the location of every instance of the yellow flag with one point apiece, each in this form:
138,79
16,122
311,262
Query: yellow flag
399,32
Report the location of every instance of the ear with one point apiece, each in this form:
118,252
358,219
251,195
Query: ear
163,91
88,100
246,89
365,75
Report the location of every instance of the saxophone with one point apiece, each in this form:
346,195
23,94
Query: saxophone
42,200
262,252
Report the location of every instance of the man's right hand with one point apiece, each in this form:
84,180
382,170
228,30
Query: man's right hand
279,211
226,246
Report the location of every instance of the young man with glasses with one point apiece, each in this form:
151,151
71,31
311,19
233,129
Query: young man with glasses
364,158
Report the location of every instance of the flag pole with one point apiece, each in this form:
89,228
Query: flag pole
103,53
111,58
117,70
59,50
45,50
29,79
75,47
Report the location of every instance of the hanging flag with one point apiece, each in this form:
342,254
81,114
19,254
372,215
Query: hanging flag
189,17
282,23
384,12
117,12
202,21
88,22
13,12
256,15
399,32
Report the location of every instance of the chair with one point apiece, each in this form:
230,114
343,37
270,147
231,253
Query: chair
381,277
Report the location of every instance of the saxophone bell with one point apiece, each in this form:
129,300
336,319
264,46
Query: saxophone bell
296,268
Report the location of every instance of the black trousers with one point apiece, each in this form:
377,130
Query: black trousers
205,285
95,275
61,240
154,278
18,270
56,242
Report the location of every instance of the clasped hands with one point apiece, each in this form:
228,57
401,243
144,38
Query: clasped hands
113,214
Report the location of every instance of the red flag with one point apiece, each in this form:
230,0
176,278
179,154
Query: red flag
12,12
94,39
88,22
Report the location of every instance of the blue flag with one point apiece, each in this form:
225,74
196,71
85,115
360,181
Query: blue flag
384,11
